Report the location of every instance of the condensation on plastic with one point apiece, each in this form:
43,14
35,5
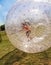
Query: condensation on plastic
32,13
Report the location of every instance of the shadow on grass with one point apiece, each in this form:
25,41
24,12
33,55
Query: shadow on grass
11,57
17,57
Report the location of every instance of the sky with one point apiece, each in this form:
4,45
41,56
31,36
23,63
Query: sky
5,6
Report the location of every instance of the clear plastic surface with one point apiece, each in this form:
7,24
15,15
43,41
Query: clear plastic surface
28,27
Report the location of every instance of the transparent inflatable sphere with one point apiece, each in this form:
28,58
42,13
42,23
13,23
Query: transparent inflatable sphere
28,27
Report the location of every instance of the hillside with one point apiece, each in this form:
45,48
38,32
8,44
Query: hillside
11,56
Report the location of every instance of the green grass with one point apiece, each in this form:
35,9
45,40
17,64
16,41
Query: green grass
5,45
22,58
11,56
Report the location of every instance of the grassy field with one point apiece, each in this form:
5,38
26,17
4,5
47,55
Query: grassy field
11,56
5,46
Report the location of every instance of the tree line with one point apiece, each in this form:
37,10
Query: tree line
2,27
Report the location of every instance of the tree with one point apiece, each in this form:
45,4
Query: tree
2,27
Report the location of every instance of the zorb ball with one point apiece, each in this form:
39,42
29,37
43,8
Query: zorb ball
28,27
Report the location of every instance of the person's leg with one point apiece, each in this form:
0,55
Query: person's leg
28,33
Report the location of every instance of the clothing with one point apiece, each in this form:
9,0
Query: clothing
28,33
26,28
